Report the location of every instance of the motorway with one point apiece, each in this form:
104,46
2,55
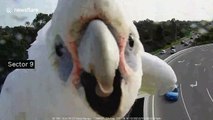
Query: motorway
194,70
178,47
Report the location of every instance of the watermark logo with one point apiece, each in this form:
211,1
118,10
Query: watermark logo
22,10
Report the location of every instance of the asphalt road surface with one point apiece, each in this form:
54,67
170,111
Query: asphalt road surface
178,47
194,70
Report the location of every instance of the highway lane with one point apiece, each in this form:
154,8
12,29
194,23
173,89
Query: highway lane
178,47
194,70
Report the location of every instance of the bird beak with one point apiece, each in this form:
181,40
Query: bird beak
158,76
99,55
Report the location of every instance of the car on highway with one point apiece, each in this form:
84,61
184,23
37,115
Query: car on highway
172,47
163,52
191,41
186,44
182,42
172,95
173,51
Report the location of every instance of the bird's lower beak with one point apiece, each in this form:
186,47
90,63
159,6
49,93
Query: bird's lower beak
99,55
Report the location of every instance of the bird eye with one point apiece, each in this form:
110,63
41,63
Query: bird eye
131,41
59,46
59,49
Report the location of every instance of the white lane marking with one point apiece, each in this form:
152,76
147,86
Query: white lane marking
198,64
204,70
209,94
146,106
194,85
181,61
153,107
184,103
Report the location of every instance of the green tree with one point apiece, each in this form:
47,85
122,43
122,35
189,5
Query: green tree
40,20
27,24
174,28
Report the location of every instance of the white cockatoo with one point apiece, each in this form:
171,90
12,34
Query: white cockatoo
89,63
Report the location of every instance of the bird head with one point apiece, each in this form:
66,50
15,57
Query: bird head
94,46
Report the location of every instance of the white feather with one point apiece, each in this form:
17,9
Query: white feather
40,94
35,94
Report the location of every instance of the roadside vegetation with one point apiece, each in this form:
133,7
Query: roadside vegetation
156,36
206,38
14,42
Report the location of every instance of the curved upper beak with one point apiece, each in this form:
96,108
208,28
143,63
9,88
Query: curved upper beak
99,55
158,76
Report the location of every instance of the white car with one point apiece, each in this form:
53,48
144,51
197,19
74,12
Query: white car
173,51
186,44
163,52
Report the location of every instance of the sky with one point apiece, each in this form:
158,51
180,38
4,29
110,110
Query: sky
159,10
17,12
